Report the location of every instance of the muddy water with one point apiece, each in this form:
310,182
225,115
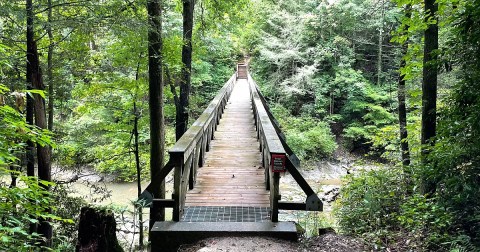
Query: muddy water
118,194
121,194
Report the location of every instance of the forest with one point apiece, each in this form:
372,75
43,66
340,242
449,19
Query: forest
107,87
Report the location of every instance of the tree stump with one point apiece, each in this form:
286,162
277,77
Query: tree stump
97,231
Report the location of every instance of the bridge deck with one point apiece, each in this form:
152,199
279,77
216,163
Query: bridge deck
233,173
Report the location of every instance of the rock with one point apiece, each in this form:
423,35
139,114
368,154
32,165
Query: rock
331,195
205,250
322,231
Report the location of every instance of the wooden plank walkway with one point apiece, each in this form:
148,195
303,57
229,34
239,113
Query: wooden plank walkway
233,174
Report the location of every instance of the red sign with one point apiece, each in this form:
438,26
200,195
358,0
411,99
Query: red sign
278,162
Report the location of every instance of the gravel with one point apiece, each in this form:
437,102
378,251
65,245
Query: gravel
329,242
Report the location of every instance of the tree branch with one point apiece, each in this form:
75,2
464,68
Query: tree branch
172,86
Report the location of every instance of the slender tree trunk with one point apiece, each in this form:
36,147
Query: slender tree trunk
35,81
183,108
30,102
13,177
16,166
402,108
429,86
157,135
51,98
137,160
43,152
139,179
380,47
402,118
30,149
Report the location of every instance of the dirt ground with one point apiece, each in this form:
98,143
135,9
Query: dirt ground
329,242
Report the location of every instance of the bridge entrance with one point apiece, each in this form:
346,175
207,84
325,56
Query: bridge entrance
233,174
227,170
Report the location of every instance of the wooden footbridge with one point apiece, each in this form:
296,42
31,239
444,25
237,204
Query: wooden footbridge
227,169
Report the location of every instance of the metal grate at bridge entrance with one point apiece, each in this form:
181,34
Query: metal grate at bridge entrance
226,214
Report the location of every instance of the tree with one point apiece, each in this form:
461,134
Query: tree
380,44
50,65
402,108
183,105
36,82
429,85
157,135
30,103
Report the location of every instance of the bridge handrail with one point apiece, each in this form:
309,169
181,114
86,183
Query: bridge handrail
312,203
270,146
188,153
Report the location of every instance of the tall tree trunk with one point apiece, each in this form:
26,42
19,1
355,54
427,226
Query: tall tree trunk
157,135
30,102
429,85
139,179
402,108
137,160
30,149
50,66
34,77
380,47
402,116
183,108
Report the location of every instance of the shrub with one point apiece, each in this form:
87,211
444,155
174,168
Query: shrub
425,220
21,207
312,144
383,207
370,203
309,138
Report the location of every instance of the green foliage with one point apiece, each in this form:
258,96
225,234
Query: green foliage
309,138
455,162
309,63
383,207
366,108
23,206
447,218
69,207
425,220
14,131
370,203
107,74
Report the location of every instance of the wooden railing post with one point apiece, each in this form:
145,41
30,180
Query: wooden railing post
274,195
177,177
